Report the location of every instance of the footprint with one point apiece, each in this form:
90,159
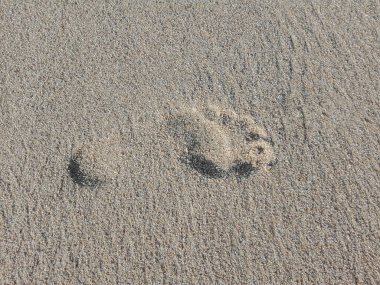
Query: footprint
95,163
219,143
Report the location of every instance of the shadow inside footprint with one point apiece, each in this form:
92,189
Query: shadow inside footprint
79,177
243,169
205,167
208,169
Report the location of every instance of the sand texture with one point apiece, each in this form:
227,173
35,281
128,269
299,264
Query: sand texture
190,142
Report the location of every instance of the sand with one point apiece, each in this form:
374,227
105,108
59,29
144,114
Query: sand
189,143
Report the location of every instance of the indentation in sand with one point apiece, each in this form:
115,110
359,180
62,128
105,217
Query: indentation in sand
95,163
218,143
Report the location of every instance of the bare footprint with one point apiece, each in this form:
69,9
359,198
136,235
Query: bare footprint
219,143
95,163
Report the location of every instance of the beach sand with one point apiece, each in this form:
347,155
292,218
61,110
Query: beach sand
189,143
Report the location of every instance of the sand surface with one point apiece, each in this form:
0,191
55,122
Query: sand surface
189,143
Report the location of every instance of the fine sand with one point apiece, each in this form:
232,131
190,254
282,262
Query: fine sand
199,142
